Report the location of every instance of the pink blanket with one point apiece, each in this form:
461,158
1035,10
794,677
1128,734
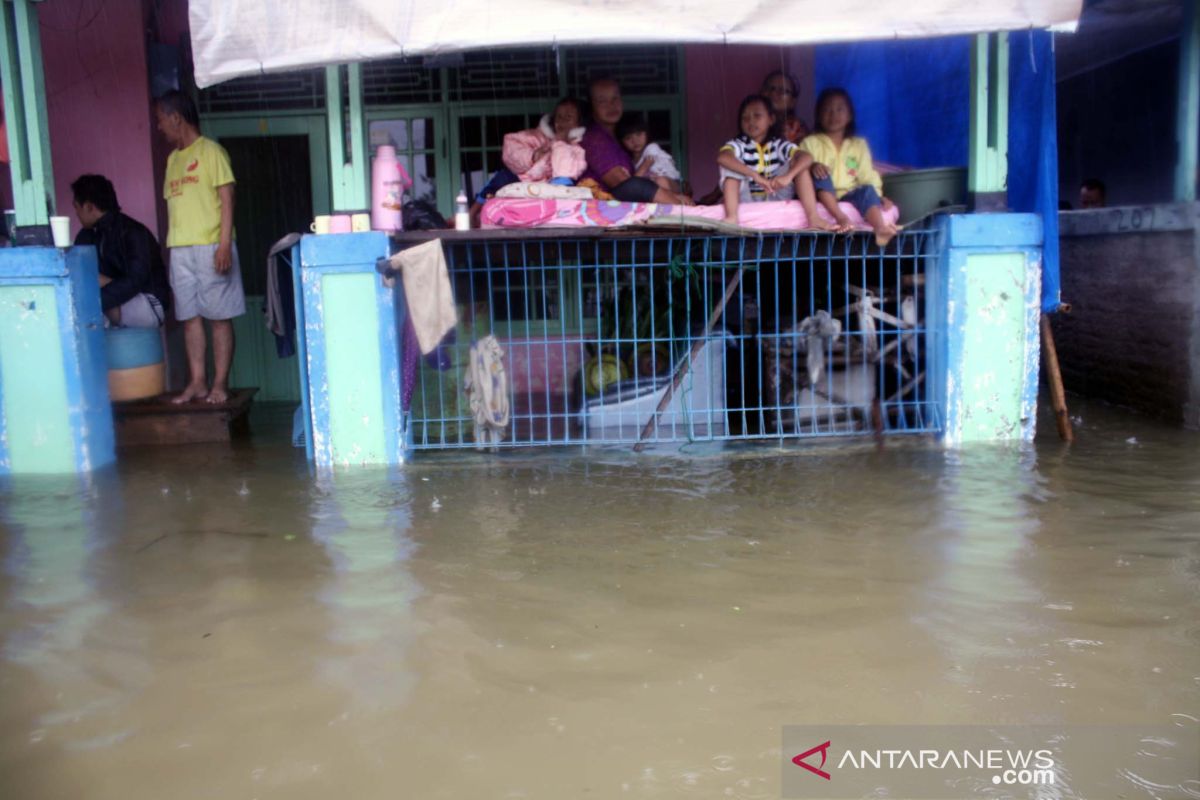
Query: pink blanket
532,213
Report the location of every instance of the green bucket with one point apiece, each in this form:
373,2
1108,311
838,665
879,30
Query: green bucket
921,191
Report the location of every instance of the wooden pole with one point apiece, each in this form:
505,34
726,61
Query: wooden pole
687,362
1058,396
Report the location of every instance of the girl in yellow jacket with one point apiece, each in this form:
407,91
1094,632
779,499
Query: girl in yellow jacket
842,168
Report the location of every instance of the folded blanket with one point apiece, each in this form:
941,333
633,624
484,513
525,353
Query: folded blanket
545,191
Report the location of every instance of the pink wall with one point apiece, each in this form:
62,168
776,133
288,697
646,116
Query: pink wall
717,78
98,100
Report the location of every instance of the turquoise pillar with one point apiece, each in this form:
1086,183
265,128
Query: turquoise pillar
350,352
25,112
987,169
55,415
986,295
1187,122
347,156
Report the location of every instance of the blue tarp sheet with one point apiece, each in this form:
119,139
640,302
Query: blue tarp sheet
912,99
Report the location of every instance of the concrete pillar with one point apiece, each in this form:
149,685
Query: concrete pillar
55,415
987,170
987,296
350,351
1187,123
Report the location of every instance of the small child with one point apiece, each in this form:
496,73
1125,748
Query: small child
842,168
760,165
794,129
551,151
649,160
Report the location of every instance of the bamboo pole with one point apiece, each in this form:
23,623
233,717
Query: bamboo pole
687,362
1058,396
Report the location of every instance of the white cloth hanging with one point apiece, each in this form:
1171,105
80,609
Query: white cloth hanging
486,387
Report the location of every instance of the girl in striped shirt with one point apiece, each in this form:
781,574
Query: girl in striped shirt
760,165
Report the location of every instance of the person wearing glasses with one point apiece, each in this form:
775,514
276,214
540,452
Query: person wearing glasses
782,89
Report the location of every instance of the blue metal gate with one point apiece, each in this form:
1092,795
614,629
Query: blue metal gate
621,338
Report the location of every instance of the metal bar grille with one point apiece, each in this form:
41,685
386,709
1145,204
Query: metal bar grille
821,336
304,90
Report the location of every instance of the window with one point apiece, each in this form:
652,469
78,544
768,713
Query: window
485,94
415,140
447,115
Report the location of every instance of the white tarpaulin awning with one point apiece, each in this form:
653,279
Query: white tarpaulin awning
248,37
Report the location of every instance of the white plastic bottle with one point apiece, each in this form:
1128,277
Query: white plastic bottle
462,213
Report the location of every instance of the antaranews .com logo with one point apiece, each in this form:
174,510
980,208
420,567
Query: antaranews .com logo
999,761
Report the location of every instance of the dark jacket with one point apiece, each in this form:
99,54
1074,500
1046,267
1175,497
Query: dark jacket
130,255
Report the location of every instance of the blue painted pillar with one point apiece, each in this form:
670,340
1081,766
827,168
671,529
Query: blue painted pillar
350,354
986,295
55,415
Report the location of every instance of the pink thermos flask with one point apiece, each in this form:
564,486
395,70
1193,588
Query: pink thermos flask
389,179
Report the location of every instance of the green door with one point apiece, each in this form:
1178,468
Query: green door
282,169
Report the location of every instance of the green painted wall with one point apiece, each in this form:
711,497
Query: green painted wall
351,321
994,347
35,409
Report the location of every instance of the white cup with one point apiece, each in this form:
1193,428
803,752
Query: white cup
60,229
320,224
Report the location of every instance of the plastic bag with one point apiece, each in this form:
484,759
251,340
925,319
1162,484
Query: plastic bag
422,215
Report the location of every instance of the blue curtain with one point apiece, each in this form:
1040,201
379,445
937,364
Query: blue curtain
1033,145
910,96
912,99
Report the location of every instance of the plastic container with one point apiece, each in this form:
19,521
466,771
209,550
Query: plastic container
389,179
921,191
462,213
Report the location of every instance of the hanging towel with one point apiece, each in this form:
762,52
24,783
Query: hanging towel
280,309
427,292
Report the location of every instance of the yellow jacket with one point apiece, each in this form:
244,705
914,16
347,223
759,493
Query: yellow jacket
850,167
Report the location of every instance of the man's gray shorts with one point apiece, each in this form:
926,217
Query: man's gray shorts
142,311
199,290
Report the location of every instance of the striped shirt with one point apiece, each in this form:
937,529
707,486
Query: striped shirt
767,159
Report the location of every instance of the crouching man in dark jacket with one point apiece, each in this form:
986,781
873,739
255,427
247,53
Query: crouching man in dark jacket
134,291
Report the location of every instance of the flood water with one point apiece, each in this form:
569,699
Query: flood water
218,623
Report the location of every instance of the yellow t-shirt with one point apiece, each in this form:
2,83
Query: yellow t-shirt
850,168
190,188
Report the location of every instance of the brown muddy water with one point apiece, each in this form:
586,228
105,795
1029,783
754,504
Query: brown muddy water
218,623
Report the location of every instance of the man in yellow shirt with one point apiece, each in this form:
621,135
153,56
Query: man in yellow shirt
206,279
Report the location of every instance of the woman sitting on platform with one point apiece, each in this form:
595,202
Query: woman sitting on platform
608,163
551,151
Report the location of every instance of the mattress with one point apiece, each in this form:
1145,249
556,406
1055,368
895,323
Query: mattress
541,213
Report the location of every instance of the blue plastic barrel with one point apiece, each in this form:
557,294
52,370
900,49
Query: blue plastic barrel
135,363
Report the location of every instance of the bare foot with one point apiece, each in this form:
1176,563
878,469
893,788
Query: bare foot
731,220
818,223
884,234
843,225
218,395
194,391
